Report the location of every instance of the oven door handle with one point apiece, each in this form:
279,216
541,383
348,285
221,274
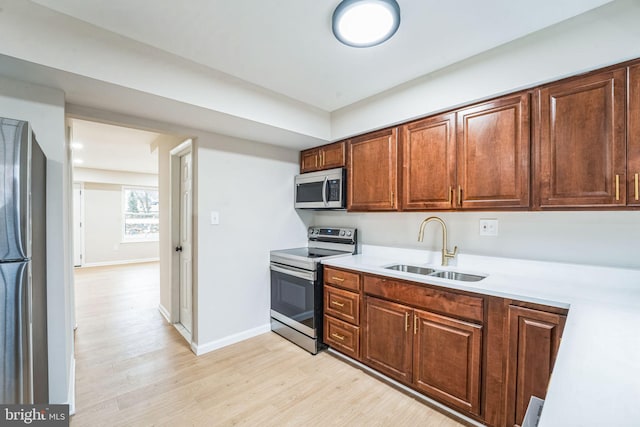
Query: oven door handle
306,275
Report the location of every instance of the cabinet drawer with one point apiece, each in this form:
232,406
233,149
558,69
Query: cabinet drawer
423,296
342,279
342,336
342,304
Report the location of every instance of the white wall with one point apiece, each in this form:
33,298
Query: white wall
251,185
103,228
592,238
607,35
44,108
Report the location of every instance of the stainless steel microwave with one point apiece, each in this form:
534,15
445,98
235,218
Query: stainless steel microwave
321,190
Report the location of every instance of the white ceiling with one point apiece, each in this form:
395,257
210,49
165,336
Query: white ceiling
287,46
116,148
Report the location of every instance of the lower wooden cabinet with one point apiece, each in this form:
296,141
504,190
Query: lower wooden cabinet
342,310
388,338
438,355
342,336
534,338
483,356
447,357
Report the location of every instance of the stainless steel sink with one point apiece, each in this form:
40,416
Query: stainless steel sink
453,275
411,269
426,271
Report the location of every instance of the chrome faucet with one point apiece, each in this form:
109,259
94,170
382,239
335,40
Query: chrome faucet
445,253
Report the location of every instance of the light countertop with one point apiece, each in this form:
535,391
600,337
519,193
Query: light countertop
596,378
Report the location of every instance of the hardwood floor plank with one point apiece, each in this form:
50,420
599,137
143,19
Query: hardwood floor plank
134,369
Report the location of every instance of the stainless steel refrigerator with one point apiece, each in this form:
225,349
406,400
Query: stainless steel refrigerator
23,290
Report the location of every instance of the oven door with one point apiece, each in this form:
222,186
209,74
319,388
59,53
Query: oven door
292,298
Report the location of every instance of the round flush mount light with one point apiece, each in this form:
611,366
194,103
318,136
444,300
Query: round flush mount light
365,23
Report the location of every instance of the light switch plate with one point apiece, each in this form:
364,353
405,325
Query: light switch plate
215,218
488,227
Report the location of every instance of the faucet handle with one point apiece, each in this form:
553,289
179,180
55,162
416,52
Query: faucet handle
451,254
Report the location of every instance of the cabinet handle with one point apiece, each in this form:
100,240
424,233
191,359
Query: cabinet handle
450,194
617,187
391,199
415,324
340,337
406,322
636,186
460,195
321,158
337,303
337,279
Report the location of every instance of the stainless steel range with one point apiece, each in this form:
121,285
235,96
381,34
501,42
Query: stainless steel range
296,284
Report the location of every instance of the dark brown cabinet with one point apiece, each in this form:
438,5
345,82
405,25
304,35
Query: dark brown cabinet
633,135
342,311
325,157
475,158
580,143
388,338
436,354
493,155
447,356
372,172
533,341
429,163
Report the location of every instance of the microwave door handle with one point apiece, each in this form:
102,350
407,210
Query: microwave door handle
324,190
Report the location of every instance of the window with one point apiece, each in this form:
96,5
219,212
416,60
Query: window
141,219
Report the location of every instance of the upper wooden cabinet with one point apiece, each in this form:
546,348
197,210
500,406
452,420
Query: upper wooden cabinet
580,143
493,154
325,157
372,172
534,338
429,163
480,163
633,135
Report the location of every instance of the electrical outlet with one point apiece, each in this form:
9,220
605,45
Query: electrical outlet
488,227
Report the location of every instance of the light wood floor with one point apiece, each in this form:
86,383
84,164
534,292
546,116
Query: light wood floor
132,368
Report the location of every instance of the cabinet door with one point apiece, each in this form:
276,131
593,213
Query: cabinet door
633,138
388,338
580,150
447,359
309,160
332,155
429,163
534,337
371,172
494,154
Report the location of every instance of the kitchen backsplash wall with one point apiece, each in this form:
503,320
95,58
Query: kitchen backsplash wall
594,238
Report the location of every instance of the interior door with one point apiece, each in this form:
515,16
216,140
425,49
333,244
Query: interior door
77,224
186,291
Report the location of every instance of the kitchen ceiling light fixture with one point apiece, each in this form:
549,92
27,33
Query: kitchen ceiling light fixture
365,23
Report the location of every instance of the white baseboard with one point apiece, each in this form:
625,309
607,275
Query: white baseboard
165,313
71,396
200,349
121,262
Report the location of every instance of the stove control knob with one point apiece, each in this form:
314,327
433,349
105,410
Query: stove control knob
348,234
342,232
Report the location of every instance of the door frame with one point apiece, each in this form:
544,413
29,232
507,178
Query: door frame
175,200
79,229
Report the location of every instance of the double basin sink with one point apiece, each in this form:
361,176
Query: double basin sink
426,271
